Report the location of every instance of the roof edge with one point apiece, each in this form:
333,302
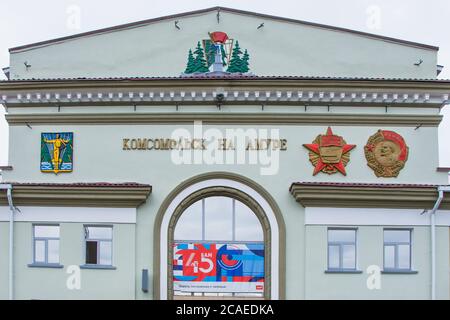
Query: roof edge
366,195
363,185
89,194
299,81
237,11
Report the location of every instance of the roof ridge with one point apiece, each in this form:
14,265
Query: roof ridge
227,77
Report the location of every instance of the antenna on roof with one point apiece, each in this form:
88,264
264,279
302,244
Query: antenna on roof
260,26
218,15
176,25
418,63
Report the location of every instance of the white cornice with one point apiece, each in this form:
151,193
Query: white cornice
336,97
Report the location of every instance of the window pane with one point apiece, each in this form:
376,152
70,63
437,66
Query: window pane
333,257
341,235
248,227
39,251
349,256
91,252
105,253
189,226
218,218
404,258
99,233
53,251
389,257
46,231
397,236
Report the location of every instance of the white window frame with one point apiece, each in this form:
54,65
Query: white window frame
340,244
396,244
46,239
204,239
98,244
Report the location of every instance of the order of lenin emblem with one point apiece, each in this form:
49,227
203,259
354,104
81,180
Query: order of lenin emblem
386,153
57,152
329,153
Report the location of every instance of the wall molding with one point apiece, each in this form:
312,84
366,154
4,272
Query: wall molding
222,117
341,196
241,96
299,90
78,195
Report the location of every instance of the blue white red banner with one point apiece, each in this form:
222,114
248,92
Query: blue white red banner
214,267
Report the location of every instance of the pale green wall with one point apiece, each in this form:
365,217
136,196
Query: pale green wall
280,48
320,285
49,283
98,156
4,261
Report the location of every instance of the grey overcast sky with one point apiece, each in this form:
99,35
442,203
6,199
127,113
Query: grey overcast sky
24,21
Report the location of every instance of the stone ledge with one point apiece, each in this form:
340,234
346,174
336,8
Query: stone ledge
114,195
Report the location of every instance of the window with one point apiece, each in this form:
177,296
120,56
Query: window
397,249
219,224
98,242
218,219
341,249
46,244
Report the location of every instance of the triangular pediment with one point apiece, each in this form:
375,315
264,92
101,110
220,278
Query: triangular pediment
272,45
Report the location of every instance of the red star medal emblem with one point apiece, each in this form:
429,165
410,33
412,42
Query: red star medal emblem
329,153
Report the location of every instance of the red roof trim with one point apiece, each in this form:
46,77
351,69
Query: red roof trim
226,77
81,184
364,185
260,15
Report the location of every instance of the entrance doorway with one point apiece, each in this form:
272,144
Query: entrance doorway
219,236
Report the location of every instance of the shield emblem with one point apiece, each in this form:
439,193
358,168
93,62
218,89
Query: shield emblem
57,152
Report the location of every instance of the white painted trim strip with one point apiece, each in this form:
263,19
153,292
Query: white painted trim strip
373,216
71,214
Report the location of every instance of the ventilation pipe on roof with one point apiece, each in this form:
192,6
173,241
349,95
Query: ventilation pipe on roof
8,188
441,191
6,72
439,69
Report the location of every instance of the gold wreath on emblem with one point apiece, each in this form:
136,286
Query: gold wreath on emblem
386,153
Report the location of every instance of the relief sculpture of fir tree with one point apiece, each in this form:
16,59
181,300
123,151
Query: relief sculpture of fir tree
245,62
190,66
236,63
199,60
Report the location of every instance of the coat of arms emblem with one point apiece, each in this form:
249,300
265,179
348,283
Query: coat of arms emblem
386,153
329,153
57,152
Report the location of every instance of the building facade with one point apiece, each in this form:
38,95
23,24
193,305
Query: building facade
226,154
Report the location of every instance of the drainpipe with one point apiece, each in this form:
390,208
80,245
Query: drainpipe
8,188
441,191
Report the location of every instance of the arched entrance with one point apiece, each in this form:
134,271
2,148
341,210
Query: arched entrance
243,195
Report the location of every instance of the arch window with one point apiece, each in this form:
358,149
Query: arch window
218,250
